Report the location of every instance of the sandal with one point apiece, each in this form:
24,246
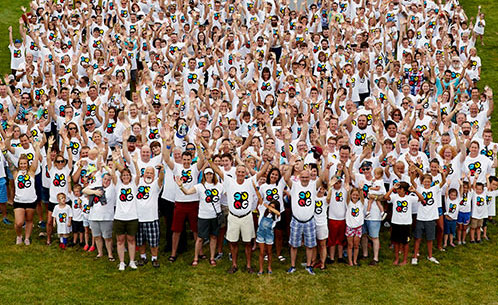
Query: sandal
212,262
194,263
172,258
112,259
203,256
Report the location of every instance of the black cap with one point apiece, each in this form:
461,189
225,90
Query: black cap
132,139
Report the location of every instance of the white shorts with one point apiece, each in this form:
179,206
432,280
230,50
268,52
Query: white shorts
237,227
322,232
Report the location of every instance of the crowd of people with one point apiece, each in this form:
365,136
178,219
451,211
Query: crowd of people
256,122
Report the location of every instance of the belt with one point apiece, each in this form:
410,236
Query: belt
303,221
242,216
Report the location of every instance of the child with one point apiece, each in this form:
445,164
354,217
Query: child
491,193
336,217
354,224
77,206
463,219
480,24
479,211
451,215
62,217
268,214
376,192
322,230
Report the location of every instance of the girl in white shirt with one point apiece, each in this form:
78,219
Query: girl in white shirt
354,223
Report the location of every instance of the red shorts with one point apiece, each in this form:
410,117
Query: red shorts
337,232
182,211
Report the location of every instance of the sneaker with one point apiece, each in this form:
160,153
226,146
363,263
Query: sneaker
27,242
304,264
329,261
155,263
478,241
132,265
310,270
414,261
91,249
232,270
42,225
250,270
383,216
459,243
122,266
230,256
266,257
373,263
464,242
85,248
19,240
291,270
142,262
472,242
433,259
218,256
6,221
281,258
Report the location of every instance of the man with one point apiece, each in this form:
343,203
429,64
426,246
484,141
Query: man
241,200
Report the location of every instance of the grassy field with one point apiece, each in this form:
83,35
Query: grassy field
41,274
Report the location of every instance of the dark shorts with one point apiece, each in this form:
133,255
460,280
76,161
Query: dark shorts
51,206
77,226
207,227
45,195
128,227
38,187
449,226
165,207
148,232
184,210
427,227
400,234
280,225
20,205
337,232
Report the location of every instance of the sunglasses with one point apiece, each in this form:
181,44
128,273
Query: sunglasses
59,161
190,149
89,124
72,128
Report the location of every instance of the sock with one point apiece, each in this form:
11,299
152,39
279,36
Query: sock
144,256
154,258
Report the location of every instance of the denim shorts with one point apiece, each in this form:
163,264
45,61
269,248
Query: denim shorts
372,228
449,226
265,233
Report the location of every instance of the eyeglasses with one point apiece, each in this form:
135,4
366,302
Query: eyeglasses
89,124
59,161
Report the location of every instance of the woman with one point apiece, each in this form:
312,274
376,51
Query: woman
59,180
125,216
25,194
102,212
209,191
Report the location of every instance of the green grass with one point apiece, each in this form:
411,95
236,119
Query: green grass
41,274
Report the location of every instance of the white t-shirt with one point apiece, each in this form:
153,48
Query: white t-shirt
59,182
126,204
354,214
189,178
147,200
302,200
491,202
209,199
24,188
337,205
321,211
428,209
62,216
76,205
402,209
479,207
241,198
452,207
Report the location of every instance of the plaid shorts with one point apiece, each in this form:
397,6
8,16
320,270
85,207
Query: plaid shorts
354,232
298,229
148,232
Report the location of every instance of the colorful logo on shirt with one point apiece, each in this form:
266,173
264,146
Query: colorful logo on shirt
59,180
266,86
62,217
452,208
360,139
143,192
77,203
355,212
192,78
401,206
488,153
240,200
90,110
86,208
475,168
23,181
212,195
304,198
272,194
339,197
74,146
318,207
17,53
153,133
480,201
110,127
126,195
463,202
186,176
428,198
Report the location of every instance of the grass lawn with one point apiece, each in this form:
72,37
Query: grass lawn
41,274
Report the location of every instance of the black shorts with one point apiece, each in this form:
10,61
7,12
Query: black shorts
207,227
400,234
21,205
166,207
77,226
51,206
126,227
427,227
280,225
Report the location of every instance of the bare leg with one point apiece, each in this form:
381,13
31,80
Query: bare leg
212,246
121,247
269,250
131,247
248,254
261,256
175,239
108,246
293,254
100,245
234,249
19,215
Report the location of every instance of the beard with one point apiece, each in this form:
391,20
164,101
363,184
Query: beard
148,180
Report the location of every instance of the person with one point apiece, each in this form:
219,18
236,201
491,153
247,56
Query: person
354,224
76,203
479,211
25,194
209,191
336,196
322,230
241,199
62,217
376,192
464,210
452,200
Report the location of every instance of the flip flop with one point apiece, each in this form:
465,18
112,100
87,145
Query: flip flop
212,262
194,263
112,259
172,258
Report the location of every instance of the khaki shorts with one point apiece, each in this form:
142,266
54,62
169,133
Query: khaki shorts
237,227
476,223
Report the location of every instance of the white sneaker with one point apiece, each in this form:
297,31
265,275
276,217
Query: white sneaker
433,259
19,240
414,261
459,243
27,242
122,266
132,265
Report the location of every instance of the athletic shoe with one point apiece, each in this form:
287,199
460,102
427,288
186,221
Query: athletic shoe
459,243
132,265
281,258
122,266
291,270
27,242
414,261
6,221
19,240
92,248
142,261
433,259
155,263
329,261
85,248
384,215
218,256
230,256
464,242
310,270
42,225
478,241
